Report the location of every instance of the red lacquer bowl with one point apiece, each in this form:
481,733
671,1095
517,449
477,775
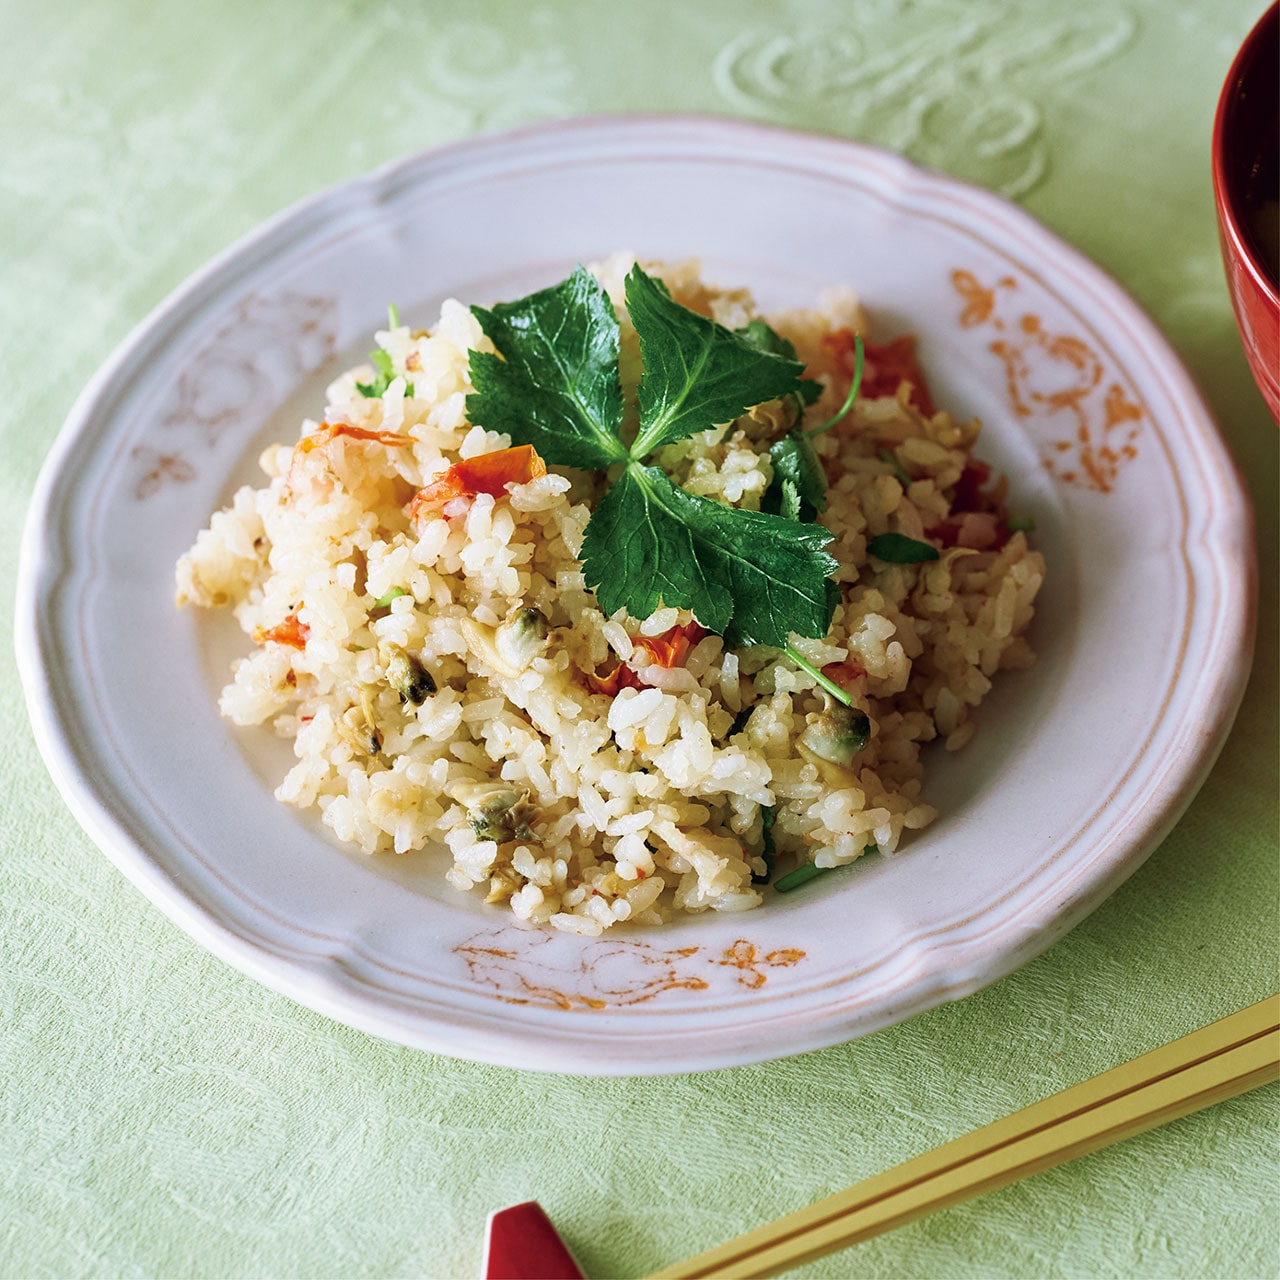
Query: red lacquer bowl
1246,170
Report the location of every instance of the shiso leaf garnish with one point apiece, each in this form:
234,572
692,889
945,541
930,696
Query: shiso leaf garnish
554,383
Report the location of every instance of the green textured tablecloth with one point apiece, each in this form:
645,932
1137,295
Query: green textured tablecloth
160,1114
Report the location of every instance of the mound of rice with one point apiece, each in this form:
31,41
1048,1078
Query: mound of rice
579,802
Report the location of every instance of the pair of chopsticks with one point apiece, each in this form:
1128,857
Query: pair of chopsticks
1217,1062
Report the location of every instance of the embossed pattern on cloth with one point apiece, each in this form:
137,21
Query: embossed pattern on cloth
960,89
161,1114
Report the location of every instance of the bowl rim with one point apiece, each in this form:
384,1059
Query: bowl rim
1225,195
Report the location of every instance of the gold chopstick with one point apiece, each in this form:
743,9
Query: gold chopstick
1217,1062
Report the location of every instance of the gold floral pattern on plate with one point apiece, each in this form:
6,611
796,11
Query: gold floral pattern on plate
266,343
521,966
1059,376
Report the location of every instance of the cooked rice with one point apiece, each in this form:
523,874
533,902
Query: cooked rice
652,801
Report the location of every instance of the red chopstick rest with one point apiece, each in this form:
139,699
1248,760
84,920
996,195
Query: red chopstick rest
521,1244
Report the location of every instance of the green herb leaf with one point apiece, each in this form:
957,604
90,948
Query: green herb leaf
791,504
763,337
697,373
555,385
799,487
650,543
897,548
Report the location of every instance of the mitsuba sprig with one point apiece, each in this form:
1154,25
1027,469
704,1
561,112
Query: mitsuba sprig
752,576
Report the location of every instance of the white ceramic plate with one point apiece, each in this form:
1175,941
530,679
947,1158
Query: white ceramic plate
1078,768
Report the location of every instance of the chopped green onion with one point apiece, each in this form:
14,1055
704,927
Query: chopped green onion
897,548
383,601
801,875
1022,524
900,473
767,848
381,360
393,316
